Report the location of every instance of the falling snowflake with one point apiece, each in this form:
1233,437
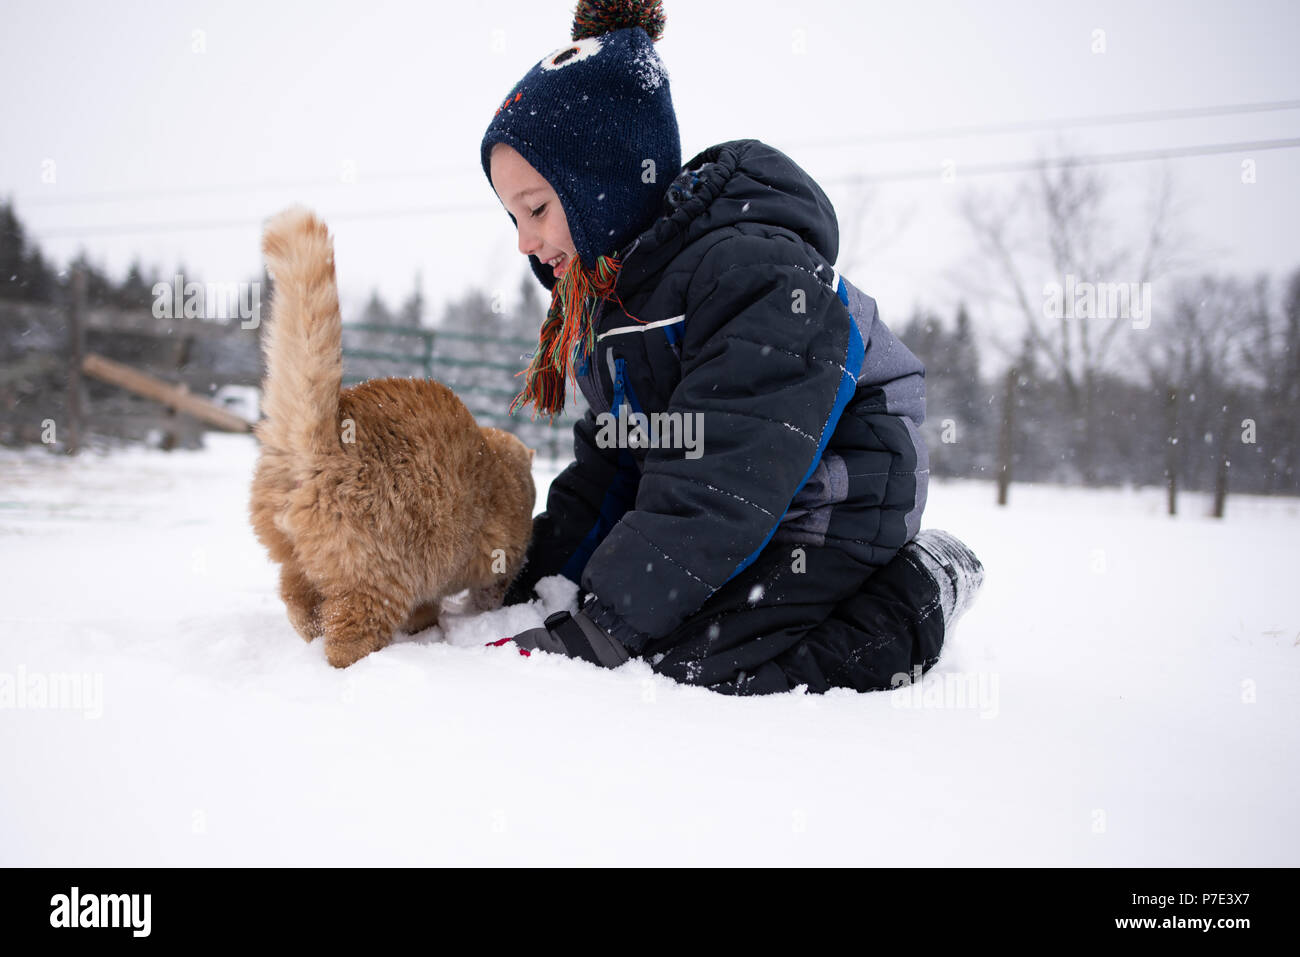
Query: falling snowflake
755,593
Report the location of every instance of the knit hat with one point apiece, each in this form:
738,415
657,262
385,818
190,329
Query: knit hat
595,119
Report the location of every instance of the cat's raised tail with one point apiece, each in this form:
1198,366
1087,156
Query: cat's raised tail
303,340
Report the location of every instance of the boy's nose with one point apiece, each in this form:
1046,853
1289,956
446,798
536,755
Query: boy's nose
528,243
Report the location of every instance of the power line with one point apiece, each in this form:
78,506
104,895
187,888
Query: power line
196,226
444,173
980,169
1026,126
110,196
1096,159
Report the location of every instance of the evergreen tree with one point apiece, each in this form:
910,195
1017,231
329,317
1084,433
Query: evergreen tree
376,313
135,291
40,283
411,314
13,255
530,311
100,289
956,425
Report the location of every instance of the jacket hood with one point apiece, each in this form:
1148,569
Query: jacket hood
739,181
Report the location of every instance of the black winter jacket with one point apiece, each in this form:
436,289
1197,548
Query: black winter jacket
807,407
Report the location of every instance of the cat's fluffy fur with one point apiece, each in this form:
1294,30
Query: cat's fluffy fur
380,500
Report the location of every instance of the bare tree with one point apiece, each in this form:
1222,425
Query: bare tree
1177,364
1199,366
1057,225
1271,355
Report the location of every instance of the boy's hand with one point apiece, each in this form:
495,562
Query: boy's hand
575,636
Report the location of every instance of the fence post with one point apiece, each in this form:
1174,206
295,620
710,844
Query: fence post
76,348
1006,435
1221,472
428,355
171,437
1172,451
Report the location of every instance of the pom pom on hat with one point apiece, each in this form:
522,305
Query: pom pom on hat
595,17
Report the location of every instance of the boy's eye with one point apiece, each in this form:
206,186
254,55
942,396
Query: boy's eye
538,210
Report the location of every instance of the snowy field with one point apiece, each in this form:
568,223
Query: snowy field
1124,692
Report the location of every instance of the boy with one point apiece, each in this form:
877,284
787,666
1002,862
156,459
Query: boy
783,551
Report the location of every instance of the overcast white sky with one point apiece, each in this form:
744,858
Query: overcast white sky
176,156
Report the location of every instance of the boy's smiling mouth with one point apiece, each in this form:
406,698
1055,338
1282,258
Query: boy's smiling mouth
559,261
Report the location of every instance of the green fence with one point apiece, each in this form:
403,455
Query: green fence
486,403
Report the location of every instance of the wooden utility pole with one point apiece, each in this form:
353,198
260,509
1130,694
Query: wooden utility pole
1006,435
1171,447
1221,475
75,425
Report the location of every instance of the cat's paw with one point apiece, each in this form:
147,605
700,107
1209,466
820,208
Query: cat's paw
489,597
422,617
340,654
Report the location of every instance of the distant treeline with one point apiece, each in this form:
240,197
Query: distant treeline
1212,403
35,349
1210,399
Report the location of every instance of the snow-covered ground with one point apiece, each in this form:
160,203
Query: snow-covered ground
1124,692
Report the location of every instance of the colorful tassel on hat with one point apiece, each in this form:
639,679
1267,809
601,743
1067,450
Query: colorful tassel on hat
569,327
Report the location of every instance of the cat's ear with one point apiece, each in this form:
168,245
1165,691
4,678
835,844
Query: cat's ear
531,454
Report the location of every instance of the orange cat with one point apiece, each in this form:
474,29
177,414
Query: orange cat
380,500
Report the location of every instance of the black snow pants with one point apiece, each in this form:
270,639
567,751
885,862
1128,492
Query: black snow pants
813,616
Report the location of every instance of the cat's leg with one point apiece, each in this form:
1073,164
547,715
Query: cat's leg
423,616
359,621
301,599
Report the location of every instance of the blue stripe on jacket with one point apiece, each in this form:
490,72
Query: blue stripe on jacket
853,359
618,496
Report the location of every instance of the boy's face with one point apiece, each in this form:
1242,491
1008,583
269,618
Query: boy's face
543,228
